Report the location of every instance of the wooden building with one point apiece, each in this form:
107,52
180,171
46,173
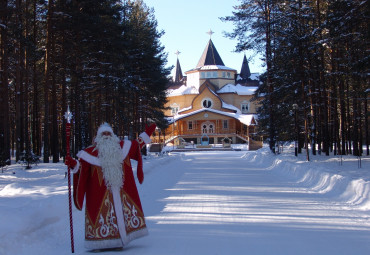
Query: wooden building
212,103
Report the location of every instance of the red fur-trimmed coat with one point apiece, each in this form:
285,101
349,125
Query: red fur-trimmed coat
113,217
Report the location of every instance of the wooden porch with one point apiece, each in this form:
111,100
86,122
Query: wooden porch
192,131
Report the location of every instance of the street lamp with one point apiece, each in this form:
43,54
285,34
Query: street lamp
295,108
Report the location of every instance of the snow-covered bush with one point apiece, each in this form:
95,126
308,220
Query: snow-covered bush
28,159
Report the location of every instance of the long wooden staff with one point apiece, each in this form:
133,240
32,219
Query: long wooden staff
68,116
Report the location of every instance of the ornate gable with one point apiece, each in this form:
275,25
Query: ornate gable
207,99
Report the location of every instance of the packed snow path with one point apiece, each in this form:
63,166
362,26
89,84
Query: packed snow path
206,203
212,203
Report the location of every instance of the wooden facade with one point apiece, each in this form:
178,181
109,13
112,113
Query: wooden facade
208,105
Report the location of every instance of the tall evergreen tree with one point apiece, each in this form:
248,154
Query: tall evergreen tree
318,63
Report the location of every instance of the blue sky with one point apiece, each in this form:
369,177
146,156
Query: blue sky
186,23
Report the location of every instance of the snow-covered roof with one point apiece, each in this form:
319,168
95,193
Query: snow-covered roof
224,105
243,118
230,107
211,67
238,89
185,109
183,90
253,77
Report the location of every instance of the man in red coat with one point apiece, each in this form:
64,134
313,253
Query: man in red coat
103,174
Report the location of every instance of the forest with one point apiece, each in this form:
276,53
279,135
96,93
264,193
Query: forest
315,90
102,58
105,61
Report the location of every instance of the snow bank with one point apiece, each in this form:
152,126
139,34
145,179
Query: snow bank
341,179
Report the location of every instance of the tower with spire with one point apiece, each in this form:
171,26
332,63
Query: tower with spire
246,78
212,100
178,73
210,67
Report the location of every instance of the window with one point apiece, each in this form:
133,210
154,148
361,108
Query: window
225,124
207,103
209,74
203,75
190,125
223,74
204,129
214,74
210,128
228,75
174,108
245,107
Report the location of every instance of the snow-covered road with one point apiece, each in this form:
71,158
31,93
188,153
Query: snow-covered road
213,203
236,202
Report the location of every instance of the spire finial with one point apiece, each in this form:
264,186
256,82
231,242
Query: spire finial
177,53
210,32
68,115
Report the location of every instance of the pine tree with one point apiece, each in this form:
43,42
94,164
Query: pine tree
318,62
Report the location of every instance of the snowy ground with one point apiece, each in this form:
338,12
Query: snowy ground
235,202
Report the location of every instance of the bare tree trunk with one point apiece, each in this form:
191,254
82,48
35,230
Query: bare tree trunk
54,134
19,115
47,81
4,91
366,127
36,137
26,87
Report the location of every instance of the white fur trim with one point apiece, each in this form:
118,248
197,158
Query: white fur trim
76,168
88,158
126,148
138,234
105,127
103,244
118,208
145,137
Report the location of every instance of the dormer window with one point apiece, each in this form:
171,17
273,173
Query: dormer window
174,109
245,107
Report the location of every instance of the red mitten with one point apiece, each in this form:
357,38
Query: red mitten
150,129
70,162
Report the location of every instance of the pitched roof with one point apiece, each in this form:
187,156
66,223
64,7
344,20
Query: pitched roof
178,74
247,119
245,72
210,56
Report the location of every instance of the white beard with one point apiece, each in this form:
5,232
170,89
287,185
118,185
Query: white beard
111,158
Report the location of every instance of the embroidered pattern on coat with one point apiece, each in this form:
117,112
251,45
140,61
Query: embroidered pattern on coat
134,219
106,227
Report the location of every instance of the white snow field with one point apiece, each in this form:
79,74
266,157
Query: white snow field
211,202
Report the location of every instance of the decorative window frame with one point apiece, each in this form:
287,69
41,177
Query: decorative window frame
206,127
175,108
206,99
247,104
